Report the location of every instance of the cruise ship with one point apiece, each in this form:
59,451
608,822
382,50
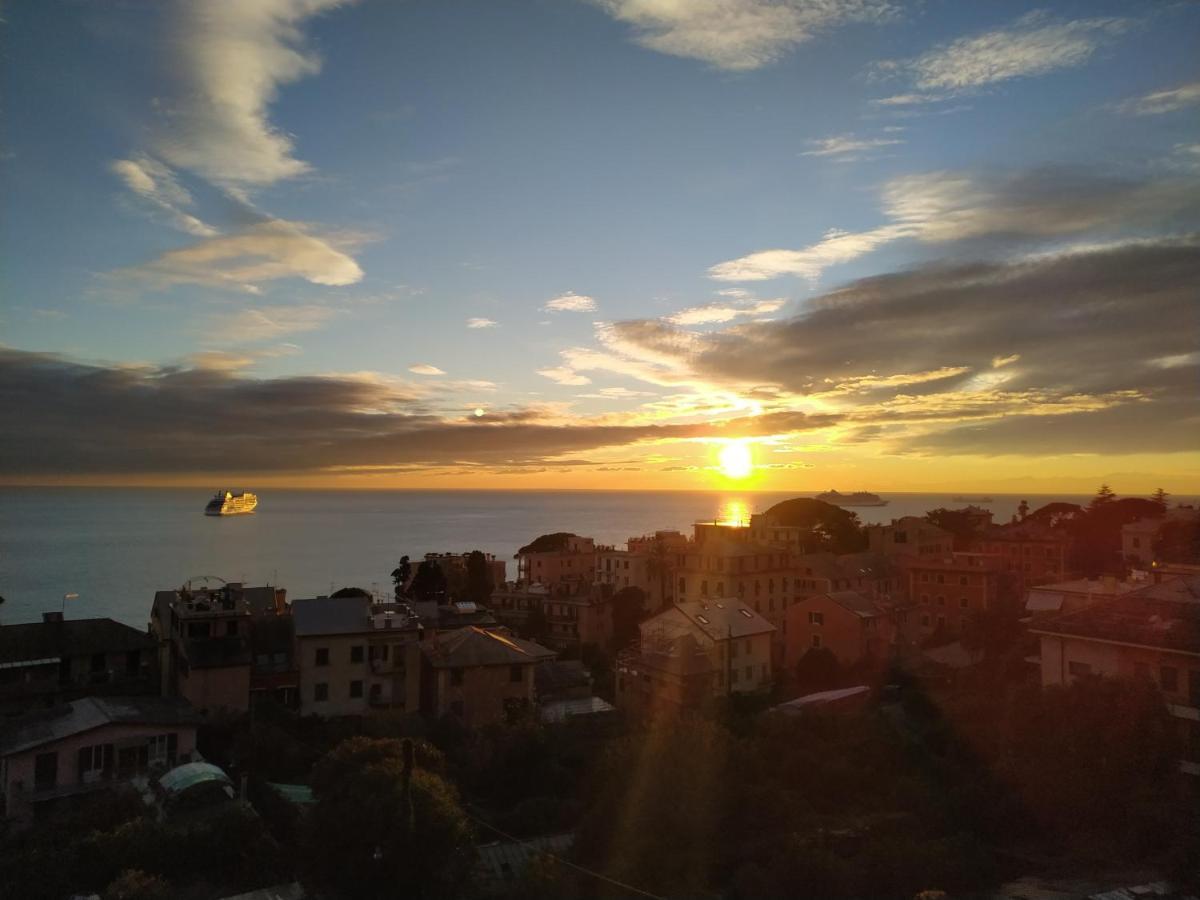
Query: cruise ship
229,504
858,498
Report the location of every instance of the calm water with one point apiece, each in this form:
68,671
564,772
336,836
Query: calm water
115,547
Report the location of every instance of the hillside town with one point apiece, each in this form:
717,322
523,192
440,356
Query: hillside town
795,635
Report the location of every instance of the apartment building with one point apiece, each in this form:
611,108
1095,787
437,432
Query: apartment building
58,660
478,676
557,559
1138,538
620,569
578,614
1069,596
850,625
909,536
354,658
944,592
720,568
1152,634
1035,553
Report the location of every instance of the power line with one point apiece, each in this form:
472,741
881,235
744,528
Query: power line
566,862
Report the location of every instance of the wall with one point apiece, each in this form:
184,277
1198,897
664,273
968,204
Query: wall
483,692
224,688
337,675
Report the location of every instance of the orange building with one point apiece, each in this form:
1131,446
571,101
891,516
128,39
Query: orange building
557,559
850,625
1035,553
945,592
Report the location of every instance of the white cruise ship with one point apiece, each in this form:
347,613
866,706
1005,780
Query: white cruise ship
229,504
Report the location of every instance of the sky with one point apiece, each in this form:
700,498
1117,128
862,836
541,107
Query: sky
596,244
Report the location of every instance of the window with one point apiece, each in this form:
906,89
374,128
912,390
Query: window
925,620
941,622
941,579
356,690
816,618
320,692
356,653
1079,669
925,599
516,674
456,677
962,579
963,603
941,601
816,640
1168,678
749,673
322,658
95,761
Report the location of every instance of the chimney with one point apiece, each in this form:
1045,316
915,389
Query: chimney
55,616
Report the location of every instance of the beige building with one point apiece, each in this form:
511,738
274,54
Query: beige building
1151,634
354,659
557,559
479,676
909,536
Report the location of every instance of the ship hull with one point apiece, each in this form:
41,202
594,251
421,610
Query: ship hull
228,512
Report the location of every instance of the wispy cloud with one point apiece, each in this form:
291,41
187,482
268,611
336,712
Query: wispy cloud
738,35
155,183
1035,44
570,302
481,323
1160,102
564,375
716,313
847,147
244,259
425,369
264,323
941,207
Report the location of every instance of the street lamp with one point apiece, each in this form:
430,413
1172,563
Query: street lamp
66,597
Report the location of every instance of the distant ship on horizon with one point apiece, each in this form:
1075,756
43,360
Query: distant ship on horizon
858,498
227,503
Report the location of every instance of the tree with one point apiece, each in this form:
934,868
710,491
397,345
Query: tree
429,584
1178,541
1103,496
830,527
817,670
956,521
536,627
384,823
1160,497
548,543
628,606
400,576
479,578
134,884
1057,514
350,592
1023,510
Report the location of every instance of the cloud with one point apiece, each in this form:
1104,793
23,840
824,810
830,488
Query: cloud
1165,101
425,369
1035,44
570,302
1046,340
564,375
233,57
941,207
847,147
264,323
737,35
220,360
155,183
711,313
265,251
481,323
63,417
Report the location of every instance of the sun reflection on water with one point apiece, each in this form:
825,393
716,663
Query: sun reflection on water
734,513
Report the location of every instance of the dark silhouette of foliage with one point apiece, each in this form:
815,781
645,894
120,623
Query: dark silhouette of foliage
479,584
832,528
134,884
351,592
956,521
628,606
401,575
429,584
548,543
1178,542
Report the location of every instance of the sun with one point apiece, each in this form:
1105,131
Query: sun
735,460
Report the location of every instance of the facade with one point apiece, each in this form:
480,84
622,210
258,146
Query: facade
454,566
578,614
720,568
56,661
1138,538
944,592
619,569
355,658
1152,634
478,676
852,626
664,675
88,745
909,536
1035,553
512,603
567,558
204,632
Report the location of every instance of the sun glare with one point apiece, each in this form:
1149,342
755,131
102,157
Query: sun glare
735,460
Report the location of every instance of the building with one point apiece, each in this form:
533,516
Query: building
454,567
909,536
850,625
665,675
58,660
512,603
578,614
1152,633
741,571
1034,552
945,591
737,639
478,676
355,657
88,745
557,559
203,631
1138,538
620,569
1069,596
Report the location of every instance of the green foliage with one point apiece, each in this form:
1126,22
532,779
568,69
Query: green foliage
377,823
831,527
548,543
957,522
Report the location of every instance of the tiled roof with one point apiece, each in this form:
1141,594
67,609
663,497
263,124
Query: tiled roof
331,615
1143,618
47,725
723,619
471,646
73,637
854,602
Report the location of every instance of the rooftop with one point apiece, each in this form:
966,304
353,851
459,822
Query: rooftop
48,725
853,601
1164,616
472,646
51,641
343,615
724,619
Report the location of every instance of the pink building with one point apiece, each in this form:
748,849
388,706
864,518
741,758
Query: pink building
88,745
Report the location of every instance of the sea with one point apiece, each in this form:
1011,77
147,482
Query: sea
105,551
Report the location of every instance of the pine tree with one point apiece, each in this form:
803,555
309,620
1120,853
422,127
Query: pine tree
1160,497
1103,496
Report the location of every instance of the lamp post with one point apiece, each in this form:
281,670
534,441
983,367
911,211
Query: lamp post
66,597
